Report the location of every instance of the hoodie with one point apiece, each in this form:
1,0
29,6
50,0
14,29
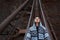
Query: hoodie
39,33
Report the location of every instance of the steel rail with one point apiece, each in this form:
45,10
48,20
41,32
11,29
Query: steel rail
9,18
29,19
53,32
45,21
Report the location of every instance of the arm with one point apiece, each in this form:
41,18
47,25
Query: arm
28,35
47,36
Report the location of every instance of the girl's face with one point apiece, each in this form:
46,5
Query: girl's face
37,20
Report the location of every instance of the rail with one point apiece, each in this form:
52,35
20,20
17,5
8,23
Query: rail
53,37
9,18
29,20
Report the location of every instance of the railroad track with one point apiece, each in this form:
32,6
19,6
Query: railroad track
15,26
17,19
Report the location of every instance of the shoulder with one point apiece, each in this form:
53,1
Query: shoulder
43,27
32,28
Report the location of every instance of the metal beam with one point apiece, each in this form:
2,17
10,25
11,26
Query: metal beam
9,18
21,31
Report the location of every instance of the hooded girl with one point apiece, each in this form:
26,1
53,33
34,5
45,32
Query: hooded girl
37,31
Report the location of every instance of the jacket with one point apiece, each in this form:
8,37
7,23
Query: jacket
41,34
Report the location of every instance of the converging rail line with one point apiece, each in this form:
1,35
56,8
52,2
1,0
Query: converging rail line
29,10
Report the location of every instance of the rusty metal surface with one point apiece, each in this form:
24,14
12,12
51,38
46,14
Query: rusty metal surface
51,10
6,21
19,19
46,23
21,32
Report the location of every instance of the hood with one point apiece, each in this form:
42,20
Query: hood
34,27
39,23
